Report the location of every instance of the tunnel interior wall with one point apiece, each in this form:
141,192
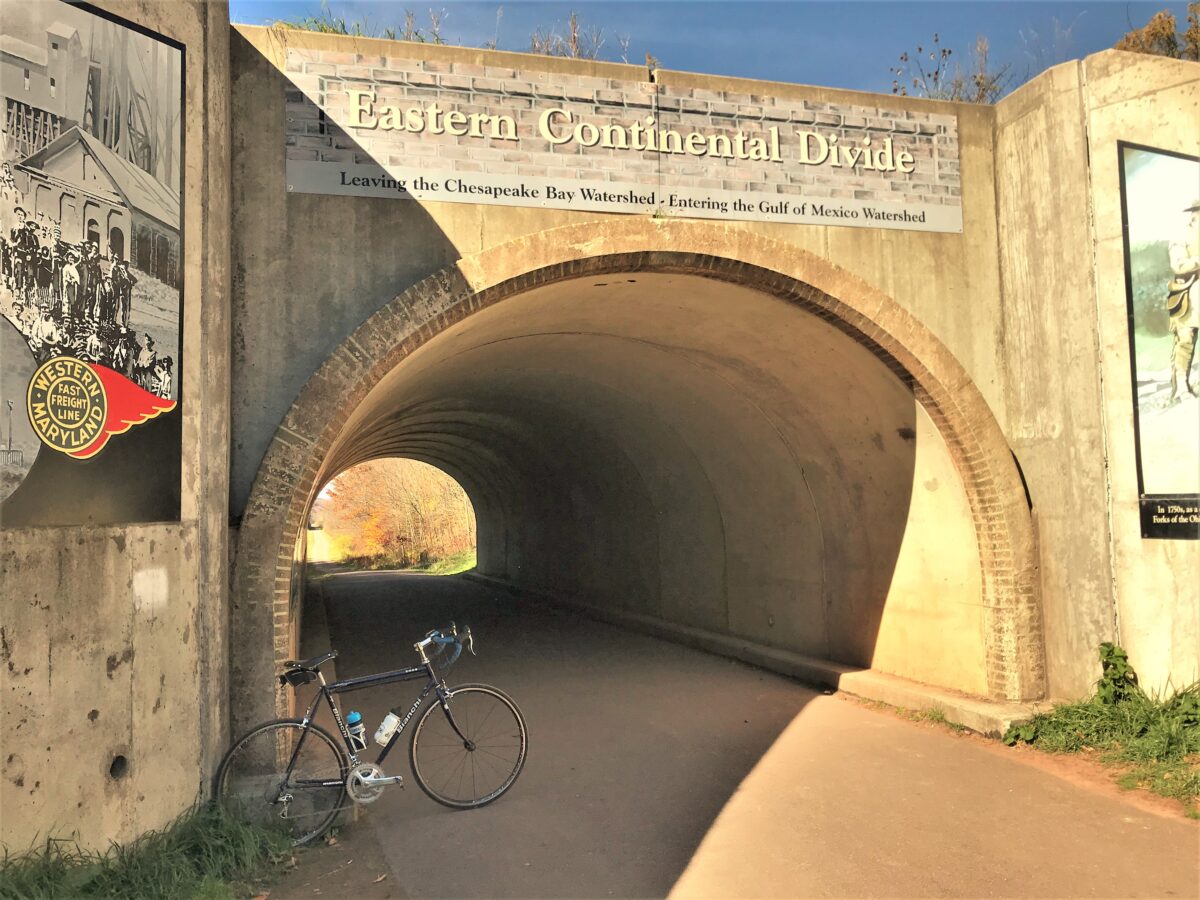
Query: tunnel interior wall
113,637
657,444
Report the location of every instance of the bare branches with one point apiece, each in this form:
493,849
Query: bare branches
575,41
328,23
929,73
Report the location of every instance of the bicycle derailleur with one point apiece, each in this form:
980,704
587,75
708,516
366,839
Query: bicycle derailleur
366,781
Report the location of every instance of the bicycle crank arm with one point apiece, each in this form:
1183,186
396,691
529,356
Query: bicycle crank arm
372,781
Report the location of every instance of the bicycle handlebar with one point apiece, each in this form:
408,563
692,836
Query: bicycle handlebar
443,638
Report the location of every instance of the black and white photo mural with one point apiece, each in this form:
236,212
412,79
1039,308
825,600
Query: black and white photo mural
91,249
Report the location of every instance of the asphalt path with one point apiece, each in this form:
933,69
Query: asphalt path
654,769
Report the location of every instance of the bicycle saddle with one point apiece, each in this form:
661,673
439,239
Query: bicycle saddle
311,665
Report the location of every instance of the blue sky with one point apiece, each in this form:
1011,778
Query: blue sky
844,44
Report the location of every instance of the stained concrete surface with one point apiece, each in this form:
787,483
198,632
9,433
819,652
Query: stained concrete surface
655,770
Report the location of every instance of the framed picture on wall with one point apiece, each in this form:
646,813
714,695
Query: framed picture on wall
1160,205
91,247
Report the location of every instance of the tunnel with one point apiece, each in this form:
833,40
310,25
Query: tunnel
697,452
705,448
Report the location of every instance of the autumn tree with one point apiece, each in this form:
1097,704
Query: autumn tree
396,513
1159,36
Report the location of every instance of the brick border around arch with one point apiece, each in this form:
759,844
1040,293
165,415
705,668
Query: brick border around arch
287,477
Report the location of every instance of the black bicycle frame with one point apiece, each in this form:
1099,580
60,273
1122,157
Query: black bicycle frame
346,685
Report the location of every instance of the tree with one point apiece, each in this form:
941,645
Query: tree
937,78
396,513
1159,37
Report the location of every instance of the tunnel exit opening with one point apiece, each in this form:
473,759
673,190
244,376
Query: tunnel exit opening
703,442
392,513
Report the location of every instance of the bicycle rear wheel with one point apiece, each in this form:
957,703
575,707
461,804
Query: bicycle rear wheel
472,770
285,775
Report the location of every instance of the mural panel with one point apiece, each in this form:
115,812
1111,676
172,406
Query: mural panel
91,252
1160,201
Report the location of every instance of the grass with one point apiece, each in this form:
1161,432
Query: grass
1154,741
202,855
450,565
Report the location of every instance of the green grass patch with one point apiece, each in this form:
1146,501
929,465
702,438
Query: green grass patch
202,855
425,564
1154,740
451,565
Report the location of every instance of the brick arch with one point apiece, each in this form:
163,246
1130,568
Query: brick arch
288,476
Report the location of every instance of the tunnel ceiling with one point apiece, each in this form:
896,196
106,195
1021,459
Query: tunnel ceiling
671,444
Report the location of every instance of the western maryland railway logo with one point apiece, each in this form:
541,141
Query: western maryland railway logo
76,406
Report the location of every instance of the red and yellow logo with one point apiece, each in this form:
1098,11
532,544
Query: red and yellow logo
76,406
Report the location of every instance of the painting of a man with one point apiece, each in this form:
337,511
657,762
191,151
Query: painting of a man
1183,304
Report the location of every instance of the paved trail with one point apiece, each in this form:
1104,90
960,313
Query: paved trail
656,769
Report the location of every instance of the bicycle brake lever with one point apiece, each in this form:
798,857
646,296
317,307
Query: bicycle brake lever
471,642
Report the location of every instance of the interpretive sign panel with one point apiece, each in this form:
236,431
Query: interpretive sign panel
1160,204
464,133
91,251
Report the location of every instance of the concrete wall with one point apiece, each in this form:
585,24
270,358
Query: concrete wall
1050,382
114,639
1065,342
1154,102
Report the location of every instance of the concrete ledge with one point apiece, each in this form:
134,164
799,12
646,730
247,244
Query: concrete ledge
976,713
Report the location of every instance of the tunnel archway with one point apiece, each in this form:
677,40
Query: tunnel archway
339,418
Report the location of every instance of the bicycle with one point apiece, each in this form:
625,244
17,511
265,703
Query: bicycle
291,773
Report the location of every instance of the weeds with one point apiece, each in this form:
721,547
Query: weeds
1155,739
204,854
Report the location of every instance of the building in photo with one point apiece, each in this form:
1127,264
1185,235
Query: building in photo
95,195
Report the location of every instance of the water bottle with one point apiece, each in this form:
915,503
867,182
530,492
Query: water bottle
358,731
386,729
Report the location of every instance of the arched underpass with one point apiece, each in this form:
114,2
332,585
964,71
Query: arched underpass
778,455
702,441
701,453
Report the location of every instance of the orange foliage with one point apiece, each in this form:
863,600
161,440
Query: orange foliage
396,512
1159,37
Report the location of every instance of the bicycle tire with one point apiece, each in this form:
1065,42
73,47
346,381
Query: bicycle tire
250,777
440,759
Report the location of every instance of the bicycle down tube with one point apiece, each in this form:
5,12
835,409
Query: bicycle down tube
346,685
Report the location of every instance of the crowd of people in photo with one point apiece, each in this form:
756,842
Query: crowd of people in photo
68,300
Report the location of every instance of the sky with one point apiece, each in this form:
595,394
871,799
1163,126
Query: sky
843,44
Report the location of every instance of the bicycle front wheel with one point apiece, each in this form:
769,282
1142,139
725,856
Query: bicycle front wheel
284,775
475,764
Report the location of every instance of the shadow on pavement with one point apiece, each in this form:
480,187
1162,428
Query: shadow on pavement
635,746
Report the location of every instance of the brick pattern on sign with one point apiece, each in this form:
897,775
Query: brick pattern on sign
320,100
